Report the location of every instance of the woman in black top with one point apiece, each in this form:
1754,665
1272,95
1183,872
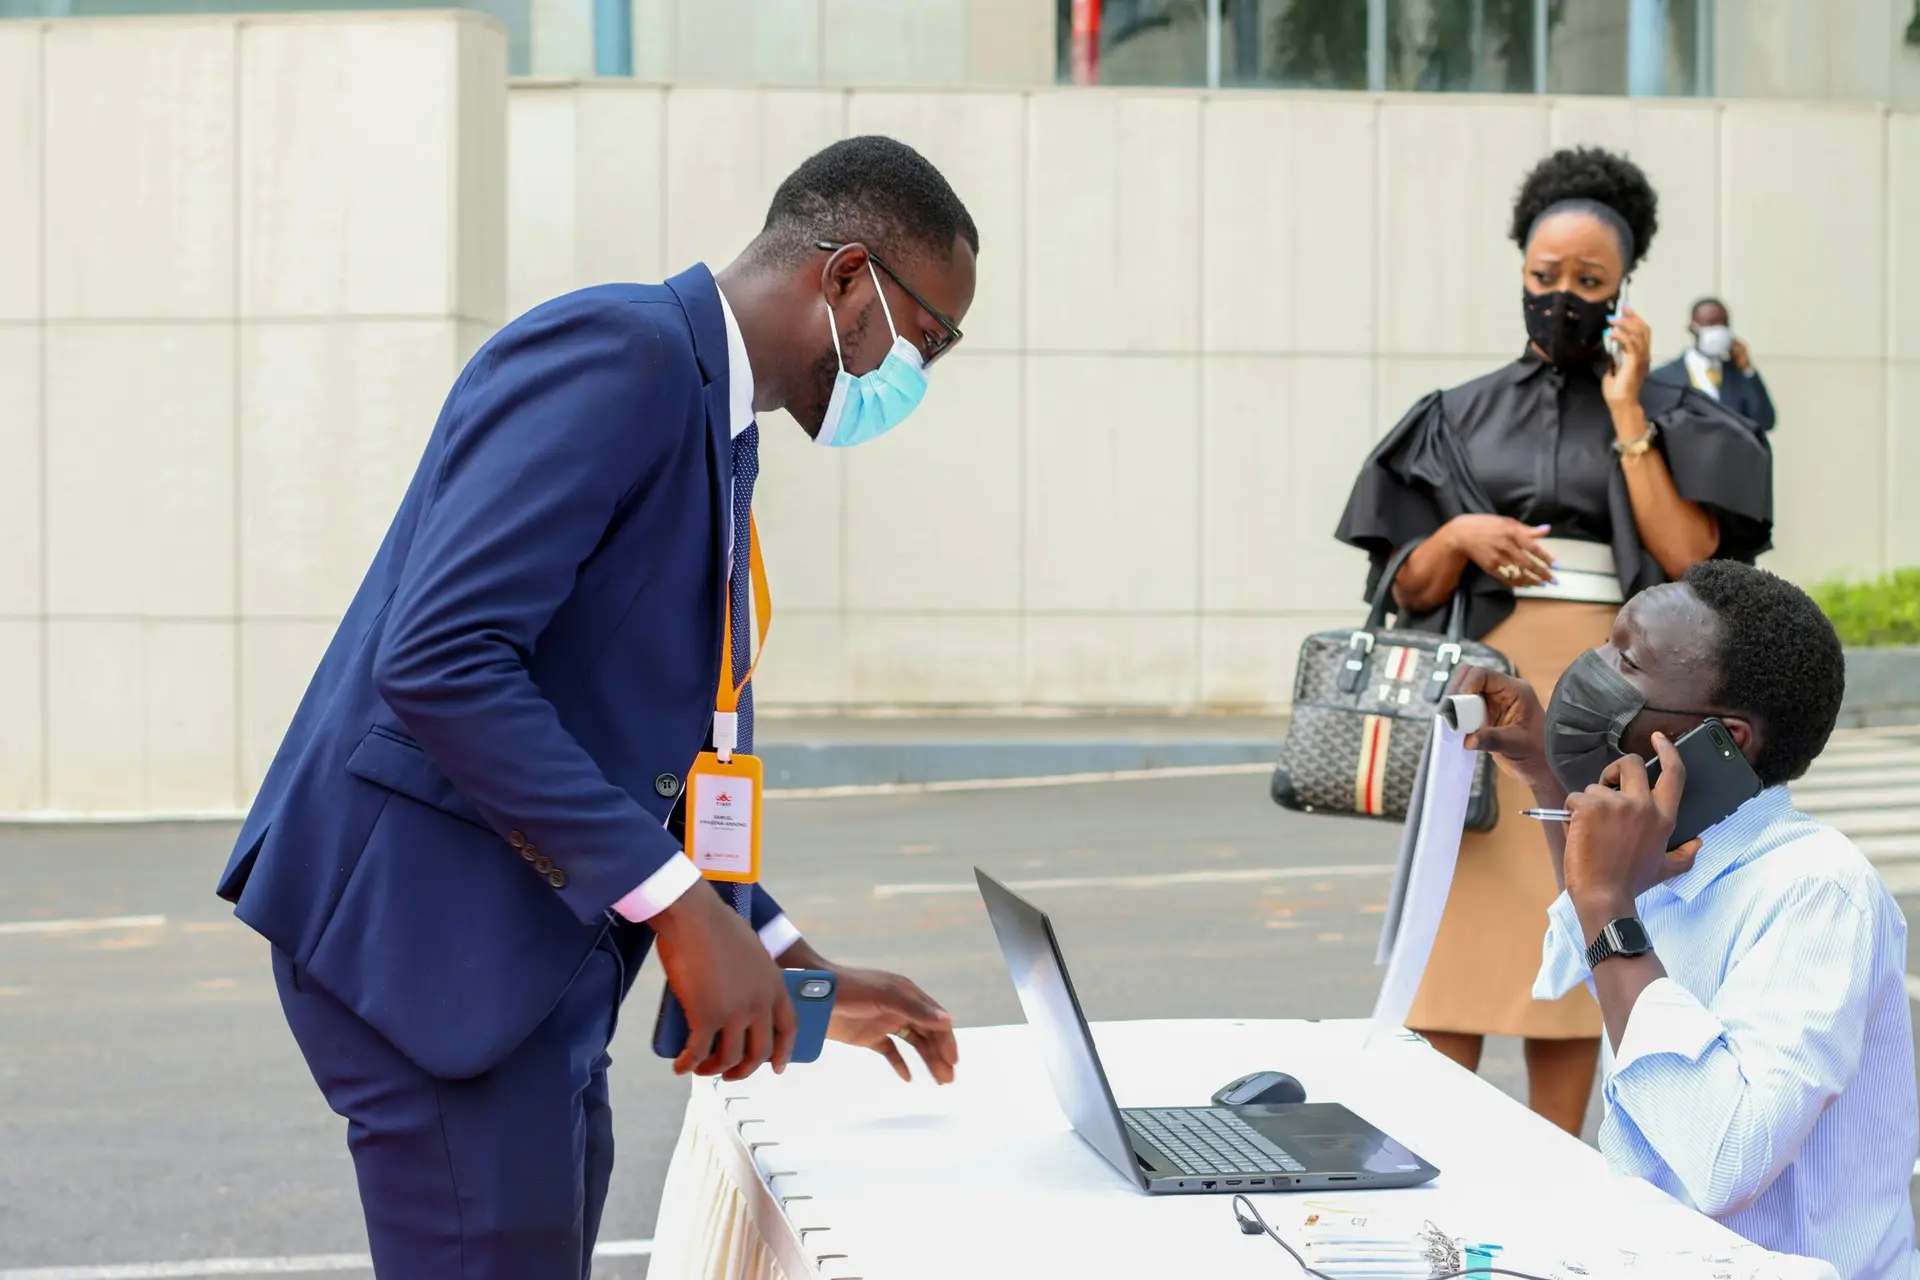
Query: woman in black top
1550,491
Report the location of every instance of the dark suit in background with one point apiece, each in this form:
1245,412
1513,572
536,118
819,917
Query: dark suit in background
1741,390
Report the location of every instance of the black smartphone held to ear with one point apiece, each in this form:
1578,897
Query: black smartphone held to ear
1719,779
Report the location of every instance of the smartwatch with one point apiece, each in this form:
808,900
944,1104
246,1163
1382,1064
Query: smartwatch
1623,937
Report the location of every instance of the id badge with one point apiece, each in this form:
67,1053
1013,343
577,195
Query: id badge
723,817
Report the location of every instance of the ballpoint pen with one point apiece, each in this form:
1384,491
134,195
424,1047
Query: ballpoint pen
1547,815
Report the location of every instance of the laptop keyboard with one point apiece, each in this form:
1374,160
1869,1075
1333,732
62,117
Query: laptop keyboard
1209,1140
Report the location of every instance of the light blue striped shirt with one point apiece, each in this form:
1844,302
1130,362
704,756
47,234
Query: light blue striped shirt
1768,1080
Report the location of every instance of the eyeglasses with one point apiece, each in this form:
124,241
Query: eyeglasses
936,346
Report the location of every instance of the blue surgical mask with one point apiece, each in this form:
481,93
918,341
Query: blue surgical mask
867,407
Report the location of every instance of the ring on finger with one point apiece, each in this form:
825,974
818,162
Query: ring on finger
1508,572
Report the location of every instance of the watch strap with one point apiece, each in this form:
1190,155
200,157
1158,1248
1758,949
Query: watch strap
1611,942
1634,448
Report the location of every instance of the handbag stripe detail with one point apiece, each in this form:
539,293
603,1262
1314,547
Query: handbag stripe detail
1402,663
1370,778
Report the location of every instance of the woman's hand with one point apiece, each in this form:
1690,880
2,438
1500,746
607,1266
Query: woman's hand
1629,373
1507,549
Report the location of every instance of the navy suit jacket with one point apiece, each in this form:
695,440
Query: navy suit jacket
487,757
1741,391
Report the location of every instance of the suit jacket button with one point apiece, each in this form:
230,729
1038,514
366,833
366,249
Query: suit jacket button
558,879
528,852
517,839
667,785
543,865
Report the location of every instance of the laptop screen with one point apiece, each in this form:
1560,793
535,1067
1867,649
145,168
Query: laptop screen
1053,1011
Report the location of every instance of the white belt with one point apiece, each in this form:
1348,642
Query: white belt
1583,571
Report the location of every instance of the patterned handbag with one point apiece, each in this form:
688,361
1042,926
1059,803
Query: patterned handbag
1362,702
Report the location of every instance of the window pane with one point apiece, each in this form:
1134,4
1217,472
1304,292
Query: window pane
1477,46
1587,52
1160,42
1461,46
1683,47
1432,46
1294,44
1643,47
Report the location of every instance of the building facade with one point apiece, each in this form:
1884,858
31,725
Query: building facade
243,257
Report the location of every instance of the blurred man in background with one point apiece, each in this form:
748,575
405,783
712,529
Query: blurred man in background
1719,365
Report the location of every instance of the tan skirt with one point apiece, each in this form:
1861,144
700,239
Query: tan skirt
1480,978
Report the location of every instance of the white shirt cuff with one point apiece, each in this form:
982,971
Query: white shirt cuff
1563,956
777,934
1666,1019
660,890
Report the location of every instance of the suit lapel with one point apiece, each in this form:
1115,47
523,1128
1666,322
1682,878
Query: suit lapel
700,300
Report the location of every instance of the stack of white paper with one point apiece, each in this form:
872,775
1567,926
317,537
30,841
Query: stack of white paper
1429,847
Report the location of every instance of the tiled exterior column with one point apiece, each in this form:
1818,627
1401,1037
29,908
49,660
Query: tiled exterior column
257,252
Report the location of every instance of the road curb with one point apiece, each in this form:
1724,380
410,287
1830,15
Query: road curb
793,765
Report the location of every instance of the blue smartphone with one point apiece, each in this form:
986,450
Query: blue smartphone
811,990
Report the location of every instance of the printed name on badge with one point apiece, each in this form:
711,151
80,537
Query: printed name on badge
723,818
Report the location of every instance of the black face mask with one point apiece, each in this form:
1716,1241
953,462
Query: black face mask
1566,326
1592,707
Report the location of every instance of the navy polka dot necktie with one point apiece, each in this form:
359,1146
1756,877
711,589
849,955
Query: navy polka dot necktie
746,469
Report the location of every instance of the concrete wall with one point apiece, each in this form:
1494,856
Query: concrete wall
240,261
1196,314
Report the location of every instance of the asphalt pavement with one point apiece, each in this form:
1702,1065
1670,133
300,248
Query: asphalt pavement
153,1109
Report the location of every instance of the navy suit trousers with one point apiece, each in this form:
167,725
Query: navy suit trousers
498,1177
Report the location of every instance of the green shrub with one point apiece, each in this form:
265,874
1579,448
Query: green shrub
1882,612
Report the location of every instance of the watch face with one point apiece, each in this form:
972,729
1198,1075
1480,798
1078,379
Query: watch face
1630,937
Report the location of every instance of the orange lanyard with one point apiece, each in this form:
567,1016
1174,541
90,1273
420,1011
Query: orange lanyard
726,702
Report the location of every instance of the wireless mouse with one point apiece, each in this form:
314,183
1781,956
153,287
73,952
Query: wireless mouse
1260,1088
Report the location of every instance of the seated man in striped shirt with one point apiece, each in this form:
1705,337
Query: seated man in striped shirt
1761,1064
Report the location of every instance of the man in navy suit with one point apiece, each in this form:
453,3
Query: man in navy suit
1718,364
469,838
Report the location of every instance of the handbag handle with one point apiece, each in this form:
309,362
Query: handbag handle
1353,671
1383,596
1383,593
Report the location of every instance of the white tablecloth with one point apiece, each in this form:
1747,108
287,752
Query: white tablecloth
837,1170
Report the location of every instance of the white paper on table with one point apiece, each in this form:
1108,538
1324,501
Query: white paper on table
1429,848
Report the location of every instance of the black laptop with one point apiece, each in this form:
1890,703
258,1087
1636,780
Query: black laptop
1302,1146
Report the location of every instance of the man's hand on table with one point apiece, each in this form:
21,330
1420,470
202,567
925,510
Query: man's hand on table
873,1006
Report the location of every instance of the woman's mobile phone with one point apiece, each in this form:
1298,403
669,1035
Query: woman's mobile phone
811,990
1612,343
1719,779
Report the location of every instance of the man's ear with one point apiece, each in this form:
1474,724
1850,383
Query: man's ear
843,270
1746,736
